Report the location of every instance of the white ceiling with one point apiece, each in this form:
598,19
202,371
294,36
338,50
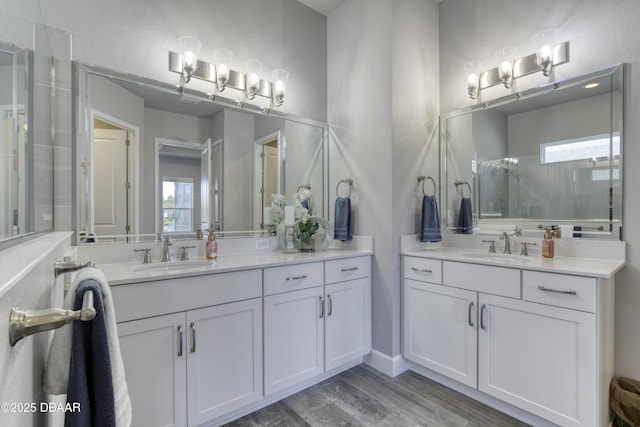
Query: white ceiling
325,7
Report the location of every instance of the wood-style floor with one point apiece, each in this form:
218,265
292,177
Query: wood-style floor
363,396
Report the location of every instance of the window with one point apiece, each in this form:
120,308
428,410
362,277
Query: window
177,204
592,147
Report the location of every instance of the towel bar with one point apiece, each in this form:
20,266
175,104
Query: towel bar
23,323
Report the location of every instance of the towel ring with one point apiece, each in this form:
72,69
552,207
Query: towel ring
307,186
458,183
423,179
348,181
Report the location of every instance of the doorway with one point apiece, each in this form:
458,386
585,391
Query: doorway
267,175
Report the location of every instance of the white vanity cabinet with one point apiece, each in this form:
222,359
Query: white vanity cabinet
311,327
212,355
537,340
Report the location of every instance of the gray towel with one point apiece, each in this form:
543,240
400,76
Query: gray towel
342,220
90,380
430,222
465,217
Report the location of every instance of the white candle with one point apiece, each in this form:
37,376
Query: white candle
288,215
267,218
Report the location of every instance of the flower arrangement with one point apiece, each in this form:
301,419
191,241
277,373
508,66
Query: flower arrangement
308,227
277,208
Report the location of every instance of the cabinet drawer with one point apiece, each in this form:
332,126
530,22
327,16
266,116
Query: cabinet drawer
423,269
341,270
561,290
293,277
482,278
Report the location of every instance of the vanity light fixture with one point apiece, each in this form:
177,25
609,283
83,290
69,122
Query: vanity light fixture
472,69
506,55
253,68
221,74
546,57
189,48
222,60
545,42
279,87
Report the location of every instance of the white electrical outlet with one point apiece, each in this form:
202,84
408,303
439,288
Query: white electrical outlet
262,244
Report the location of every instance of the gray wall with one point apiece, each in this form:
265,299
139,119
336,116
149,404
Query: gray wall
599,33
383,109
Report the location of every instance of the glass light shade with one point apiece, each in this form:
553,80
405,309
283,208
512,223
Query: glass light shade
222,59
189,49
253,69
279,88
506,56
545,42
473,69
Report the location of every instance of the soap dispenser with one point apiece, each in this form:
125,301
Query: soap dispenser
211,249
547,244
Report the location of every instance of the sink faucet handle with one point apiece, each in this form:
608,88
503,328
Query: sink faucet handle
147,255
517,232
525,245
492,245
184,254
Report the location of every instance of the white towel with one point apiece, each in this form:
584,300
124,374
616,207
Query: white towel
56,376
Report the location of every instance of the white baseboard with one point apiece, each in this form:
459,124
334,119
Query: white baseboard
391,366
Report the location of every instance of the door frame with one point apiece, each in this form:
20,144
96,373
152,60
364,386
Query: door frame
257,172
134,169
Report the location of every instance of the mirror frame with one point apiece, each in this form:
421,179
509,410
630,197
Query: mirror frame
508,224
82,70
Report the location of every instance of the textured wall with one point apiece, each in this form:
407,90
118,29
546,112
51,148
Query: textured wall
601,34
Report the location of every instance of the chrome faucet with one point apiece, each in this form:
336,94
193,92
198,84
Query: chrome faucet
165,249
507,245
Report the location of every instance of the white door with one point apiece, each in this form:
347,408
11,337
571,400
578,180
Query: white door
539,358
154,355
293,338
440,329
347,336
224,366
110,195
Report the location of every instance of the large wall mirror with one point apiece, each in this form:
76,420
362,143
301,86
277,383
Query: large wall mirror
151,159
546,157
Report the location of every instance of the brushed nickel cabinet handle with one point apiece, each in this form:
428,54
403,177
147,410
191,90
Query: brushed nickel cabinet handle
542,288
470,310
344,270
193,337
482,310
304,276
418,270
321,302
330,305
179,340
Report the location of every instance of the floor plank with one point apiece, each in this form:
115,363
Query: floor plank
362,396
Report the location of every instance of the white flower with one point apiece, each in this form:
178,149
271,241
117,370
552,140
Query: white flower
278,199
301,212
305,193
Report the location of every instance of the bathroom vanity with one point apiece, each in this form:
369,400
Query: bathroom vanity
204,343
535,333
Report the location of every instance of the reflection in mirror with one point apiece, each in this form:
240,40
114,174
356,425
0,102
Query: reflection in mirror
189,161
551,156
16,153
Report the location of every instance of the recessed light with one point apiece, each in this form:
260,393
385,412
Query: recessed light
591,85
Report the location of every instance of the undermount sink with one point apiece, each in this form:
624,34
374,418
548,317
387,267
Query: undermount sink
501,258
175,266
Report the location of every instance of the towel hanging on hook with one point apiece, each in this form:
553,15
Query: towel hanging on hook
343,225
430,218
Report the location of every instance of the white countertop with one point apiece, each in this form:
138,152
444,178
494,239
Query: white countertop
135,272
559,264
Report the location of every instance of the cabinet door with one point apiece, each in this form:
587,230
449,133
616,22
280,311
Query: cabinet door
440,329
539,358
154,359
293,338
224,362
347,321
